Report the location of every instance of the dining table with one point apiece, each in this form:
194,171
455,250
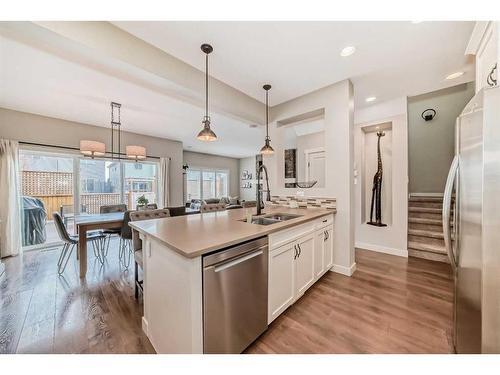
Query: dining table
88,222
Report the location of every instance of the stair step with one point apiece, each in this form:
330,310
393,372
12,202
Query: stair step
426,199
426,247
438,242
431,210
429,256
426,233
438,205
426,215
422,220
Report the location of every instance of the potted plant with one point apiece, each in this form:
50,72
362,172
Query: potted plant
142,202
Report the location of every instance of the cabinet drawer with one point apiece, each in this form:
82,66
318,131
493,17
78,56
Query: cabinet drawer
288,235
324,221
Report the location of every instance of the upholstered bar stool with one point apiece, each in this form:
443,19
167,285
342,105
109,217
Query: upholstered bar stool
212,207
137,242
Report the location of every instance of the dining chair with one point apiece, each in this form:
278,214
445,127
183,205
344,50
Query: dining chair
137,242
70,241
107,209
125,246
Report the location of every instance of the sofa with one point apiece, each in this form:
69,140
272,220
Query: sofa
231,203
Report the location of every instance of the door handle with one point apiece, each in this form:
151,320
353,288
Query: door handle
295,255
300,250
236,261
446,211
324,236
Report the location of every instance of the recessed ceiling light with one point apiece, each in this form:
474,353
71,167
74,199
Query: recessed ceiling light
415,22
370,99
455,75
347,51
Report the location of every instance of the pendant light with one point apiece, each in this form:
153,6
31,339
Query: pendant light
206,134
267,149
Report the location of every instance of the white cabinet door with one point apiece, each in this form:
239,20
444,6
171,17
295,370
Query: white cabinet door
328,248
319,265
304,264
281,279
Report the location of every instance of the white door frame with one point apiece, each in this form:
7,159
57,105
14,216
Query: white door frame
307,154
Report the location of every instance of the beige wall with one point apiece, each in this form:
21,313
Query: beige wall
28,127
196,159
336,102
431,144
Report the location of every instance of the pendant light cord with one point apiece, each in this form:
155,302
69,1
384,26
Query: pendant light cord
267,114
206,86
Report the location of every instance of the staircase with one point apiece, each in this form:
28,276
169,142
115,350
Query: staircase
425,228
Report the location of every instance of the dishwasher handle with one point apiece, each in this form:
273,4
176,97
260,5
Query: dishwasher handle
231,263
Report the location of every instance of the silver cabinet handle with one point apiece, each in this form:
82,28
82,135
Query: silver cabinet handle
300,250
295,255
324,236
236,261
446,211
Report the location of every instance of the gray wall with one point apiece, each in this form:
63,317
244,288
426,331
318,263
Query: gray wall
196,159
249,165
28,127
432,144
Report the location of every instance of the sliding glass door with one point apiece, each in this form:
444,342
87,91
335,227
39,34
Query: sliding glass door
100,184
71,184
139,179
47,186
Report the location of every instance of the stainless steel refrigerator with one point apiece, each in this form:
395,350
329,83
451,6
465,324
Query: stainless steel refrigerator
471,224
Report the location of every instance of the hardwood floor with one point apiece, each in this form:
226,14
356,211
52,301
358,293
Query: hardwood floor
390,305
41,312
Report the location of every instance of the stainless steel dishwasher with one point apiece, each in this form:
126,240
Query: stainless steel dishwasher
235,297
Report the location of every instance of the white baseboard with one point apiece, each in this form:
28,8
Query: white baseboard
382,249
144,325
426,194
347,271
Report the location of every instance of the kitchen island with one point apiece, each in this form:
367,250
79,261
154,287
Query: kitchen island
174,250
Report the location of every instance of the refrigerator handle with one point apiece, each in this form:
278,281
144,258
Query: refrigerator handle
447,209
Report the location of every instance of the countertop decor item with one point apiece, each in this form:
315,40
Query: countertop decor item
267,149
377,189
306,184
206,134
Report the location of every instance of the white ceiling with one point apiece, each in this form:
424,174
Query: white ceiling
393,59
38,82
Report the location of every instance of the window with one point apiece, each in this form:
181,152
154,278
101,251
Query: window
139,179
206,183
193,184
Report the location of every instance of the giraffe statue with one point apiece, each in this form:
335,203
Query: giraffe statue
377,189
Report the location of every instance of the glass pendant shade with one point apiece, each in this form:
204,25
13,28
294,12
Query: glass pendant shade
92,148
136,152
206,134
267,149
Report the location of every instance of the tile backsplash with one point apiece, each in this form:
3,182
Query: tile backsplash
284,200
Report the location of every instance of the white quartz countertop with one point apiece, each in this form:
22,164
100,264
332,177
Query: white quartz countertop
195,235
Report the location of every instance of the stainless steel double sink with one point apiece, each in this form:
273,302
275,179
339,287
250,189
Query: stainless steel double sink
272,218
